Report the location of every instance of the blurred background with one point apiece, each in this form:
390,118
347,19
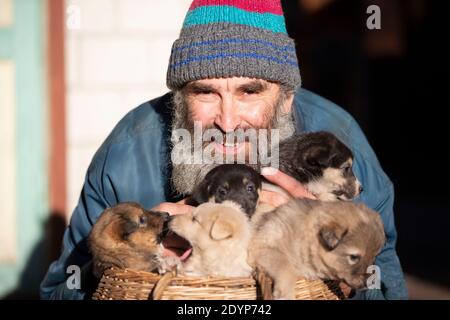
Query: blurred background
69,70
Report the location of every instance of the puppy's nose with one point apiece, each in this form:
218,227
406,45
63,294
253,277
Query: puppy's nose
165,216
361,189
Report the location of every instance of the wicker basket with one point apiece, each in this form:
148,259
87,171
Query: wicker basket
126,284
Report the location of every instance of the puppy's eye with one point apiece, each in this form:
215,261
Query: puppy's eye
354,258
142,220
222,191
250,187
347,168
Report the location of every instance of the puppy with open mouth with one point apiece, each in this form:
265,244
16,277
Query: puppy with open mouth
128,236
219,235
315,240
321,163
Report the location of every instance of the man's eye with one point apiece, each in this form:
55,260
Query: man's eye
206,95
204,92
250,92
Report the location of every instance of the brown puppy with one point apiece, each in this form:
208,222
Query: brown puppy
128,236
219,235
315,240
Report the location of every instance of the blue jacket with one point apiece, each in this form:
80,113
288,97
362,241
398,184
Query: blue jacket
133,165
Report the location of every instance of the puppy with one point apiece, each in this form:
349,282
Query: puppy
230,182
315,240
128,236
322,163
219,235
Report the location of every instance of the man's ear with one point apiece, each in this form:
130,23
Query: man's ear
318,156
221,229
287,106
331,234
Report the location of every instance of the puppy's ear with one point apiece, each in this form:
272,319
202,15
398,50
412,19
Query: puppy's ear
221,229
318,156
331,235
200,194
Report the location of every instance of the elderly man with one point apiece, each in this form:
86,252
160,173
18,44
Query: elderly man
233,67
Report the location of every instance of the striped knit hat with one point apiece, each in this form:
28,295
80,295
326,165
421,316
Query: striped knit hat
234,38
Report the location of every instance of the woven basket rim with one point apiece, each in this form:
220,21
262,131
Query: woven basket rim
136,284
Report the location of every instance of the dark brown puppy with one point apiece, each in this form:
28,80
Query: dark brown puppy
128,236
229,182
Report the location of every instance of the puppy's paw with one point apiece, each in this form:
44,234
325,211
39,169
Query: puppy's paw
265,283
169,263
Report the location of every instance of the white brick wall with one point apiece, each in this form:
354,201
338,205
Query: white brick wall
8,226
116,58
6,13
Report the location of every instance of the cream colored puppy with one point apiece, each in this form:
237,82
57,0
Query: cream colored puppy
219,235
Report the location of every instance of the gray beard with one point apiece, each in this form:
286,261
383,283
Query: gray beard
185,176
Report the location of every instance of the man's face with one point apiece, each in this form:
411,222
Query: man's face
233,103
229,104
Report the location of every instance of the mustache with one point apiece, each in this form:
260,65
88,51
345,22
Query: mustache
189,125
213,133
238,135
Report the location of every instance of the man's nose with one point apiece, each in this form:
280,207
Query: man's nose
228,118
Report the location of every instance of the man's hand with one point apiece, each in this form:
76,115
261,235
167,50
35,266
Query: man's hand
171,208
290,185
173,244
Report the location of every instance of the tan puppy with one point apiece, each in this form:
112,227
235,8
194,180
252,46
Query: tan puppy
315,240
128,236
219,235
